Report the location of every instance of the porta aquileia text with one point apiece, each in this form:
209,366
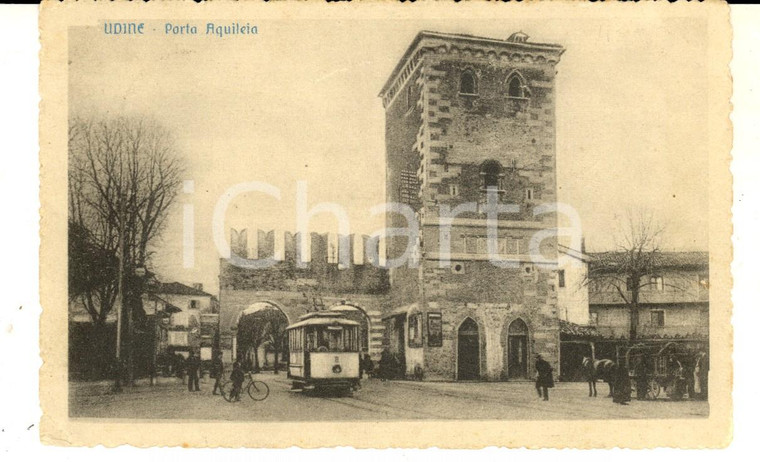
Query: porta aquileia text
219,30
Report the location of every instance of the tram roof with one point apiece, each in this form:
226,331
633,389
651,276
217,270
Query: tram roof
323,319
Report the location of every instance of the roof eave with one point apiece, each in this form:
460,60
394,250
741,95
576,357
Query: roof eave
471,38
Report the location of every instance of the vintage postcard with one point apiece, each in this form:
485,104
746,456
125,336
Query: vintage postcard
383,225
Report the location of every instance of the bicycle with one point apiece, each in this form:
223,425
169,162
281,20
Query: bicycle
256,389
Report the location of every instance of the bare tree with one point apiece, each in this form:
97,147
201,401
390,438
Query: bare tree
635,264
124,174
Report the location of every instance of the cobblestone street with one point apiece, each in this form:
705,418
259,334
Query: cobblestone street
392,400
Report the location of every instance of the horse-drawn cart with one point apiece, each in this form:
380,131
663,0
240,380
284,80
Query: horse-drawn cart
659,367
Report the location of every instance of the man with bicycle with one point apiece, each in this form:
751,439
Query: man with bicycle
237,377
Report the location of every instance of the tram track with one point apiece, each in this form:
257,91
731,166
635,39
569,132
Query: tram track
374,407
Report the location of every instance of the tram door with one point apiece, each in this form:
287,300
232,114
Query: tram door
468,351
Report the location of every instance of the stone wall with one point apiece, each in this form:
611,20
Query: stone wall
295,304
493,322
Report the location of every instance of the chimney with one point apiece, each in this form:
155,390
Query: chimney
198,286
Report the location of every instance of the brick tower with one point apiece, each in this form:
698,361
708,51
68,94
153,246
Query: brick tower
468,116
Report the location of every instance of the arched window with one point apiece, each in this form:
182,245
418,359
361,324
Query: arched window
518,327
468,84
490,171
516,86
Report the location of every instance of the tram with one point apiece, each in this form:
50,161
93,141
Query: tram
324,352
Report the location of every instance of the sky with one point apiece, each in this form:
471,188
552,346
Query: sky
298,102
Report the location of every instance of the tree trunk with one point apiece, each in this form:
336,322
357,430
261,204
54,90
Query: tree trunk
633,330
276,360
100,348
634,315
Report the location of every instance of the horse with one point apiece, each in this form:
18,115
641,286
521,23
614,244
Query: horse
603,369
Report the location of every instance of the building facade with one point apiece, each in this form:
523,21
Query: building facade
186,318
674,306
465,117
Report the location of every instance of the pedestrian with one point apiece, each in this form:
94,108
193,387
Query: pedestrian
179,366
641,373
701,367
544,378
217,371
237,378
385,365
193,366
367,366
621,390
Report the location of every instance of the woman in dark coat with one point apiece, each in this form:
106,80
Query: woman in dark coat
621,390
385,365
544,379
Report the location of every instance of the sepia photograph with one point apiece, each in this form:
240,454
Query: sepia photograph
276,219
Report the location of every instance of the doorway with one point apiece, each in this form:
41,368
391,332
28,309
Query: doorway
517,346
468,351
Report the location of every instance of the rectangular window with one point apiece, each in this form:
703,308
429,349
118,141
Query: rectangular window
435,330
193,304
561,274
529,194
502,246
657,318
178,338
470,244
594,318
482,246
453,190
514,246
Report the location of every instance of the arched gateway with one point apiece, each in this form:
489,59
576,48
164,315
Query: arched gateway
261,338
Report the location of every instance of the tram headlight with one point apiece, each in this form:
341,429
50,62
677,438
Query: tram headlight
337,369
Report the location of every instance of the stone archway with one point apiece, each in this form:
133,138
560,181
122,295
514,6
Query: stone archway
260,338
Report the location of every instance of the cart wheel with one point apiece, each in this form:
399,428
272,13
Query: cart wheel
653,390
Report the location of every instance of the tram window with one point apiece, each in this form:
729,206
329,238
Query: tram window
323,340
335,339
348,339
311,341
